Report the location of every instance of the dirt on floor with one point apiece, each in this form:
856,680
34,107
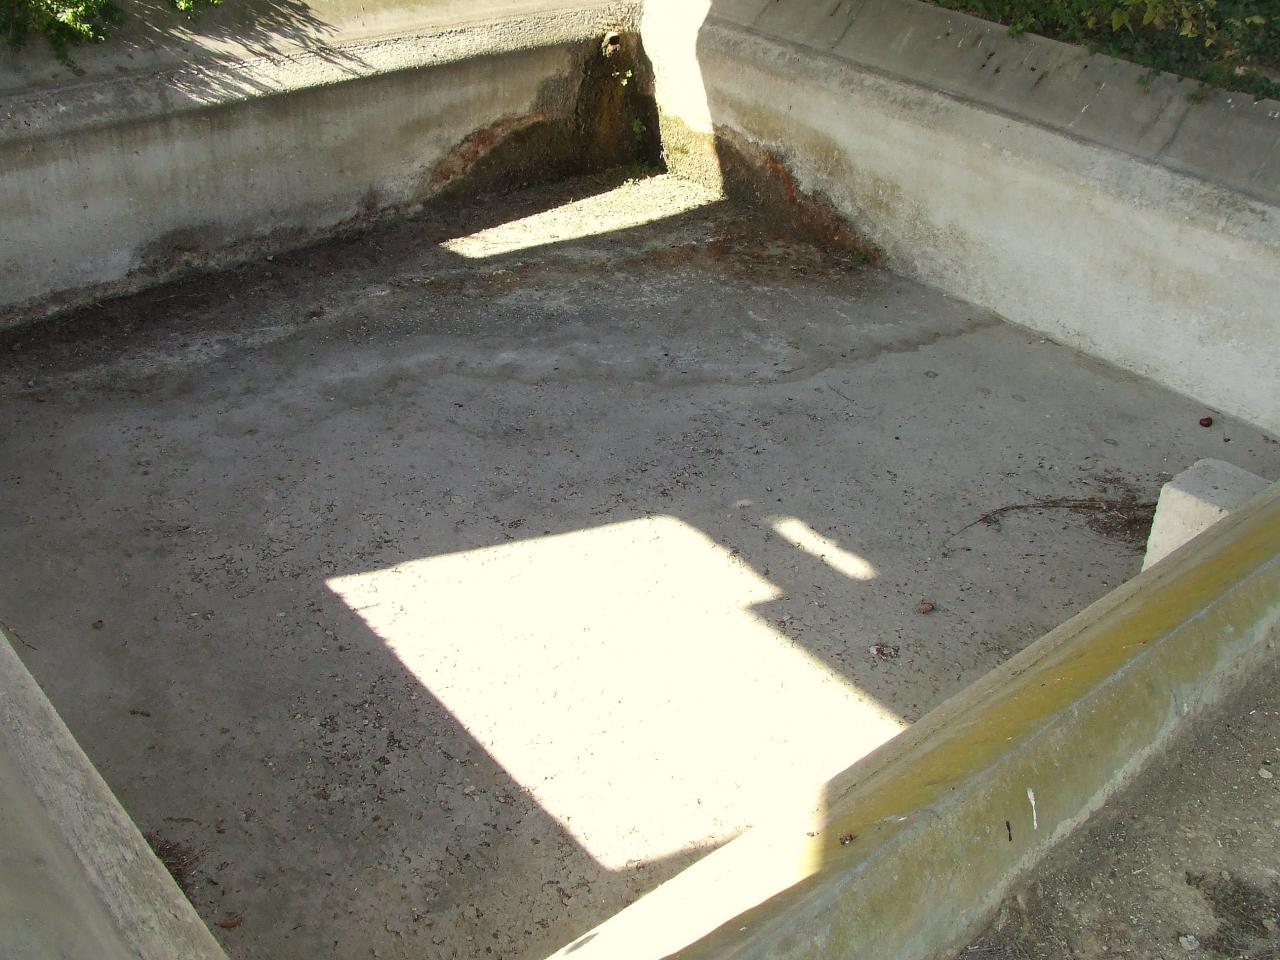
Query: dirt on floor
1185,862
439,591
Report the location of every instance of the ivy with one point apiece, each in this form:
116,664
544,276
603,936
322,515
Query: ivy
1234,44
68,23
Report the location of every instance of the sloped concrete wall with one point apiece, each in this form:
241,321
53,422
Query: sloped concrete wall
1024,175
77,879
285,122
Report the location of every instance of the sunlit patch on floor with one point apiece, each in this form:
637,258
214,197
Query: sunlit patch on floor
802,536
659,198
619,675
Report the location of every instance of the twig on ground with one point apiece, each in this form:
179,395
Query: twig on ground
1124,517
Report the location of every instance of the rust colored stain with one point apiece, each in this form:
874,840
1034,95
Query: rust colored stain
476,146
765,175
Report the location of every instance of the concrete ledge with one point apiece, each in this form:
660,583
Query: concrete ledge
908,852
77,879
1225,138
44,113
154,39
1195,500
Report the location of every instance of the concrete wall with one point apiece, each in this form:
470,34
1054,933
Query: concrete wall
285,122
78,879
1018,173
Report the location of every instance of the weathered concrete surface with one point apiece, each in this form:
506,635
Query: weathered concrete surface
1187,854
77,880
115,182
1018,174
748,441
910,851
1223,138
251,42
1195,500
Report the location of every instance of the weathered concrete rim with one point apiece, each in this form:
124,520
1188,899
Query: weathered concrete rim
150,917
1220,137
103,102
964,803
1252,211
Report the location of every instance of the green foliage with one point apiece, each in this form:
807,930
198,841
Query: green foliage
68,23
1222,43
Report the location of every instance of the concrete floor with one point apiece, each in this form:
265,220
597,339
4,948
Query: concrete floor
444,592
